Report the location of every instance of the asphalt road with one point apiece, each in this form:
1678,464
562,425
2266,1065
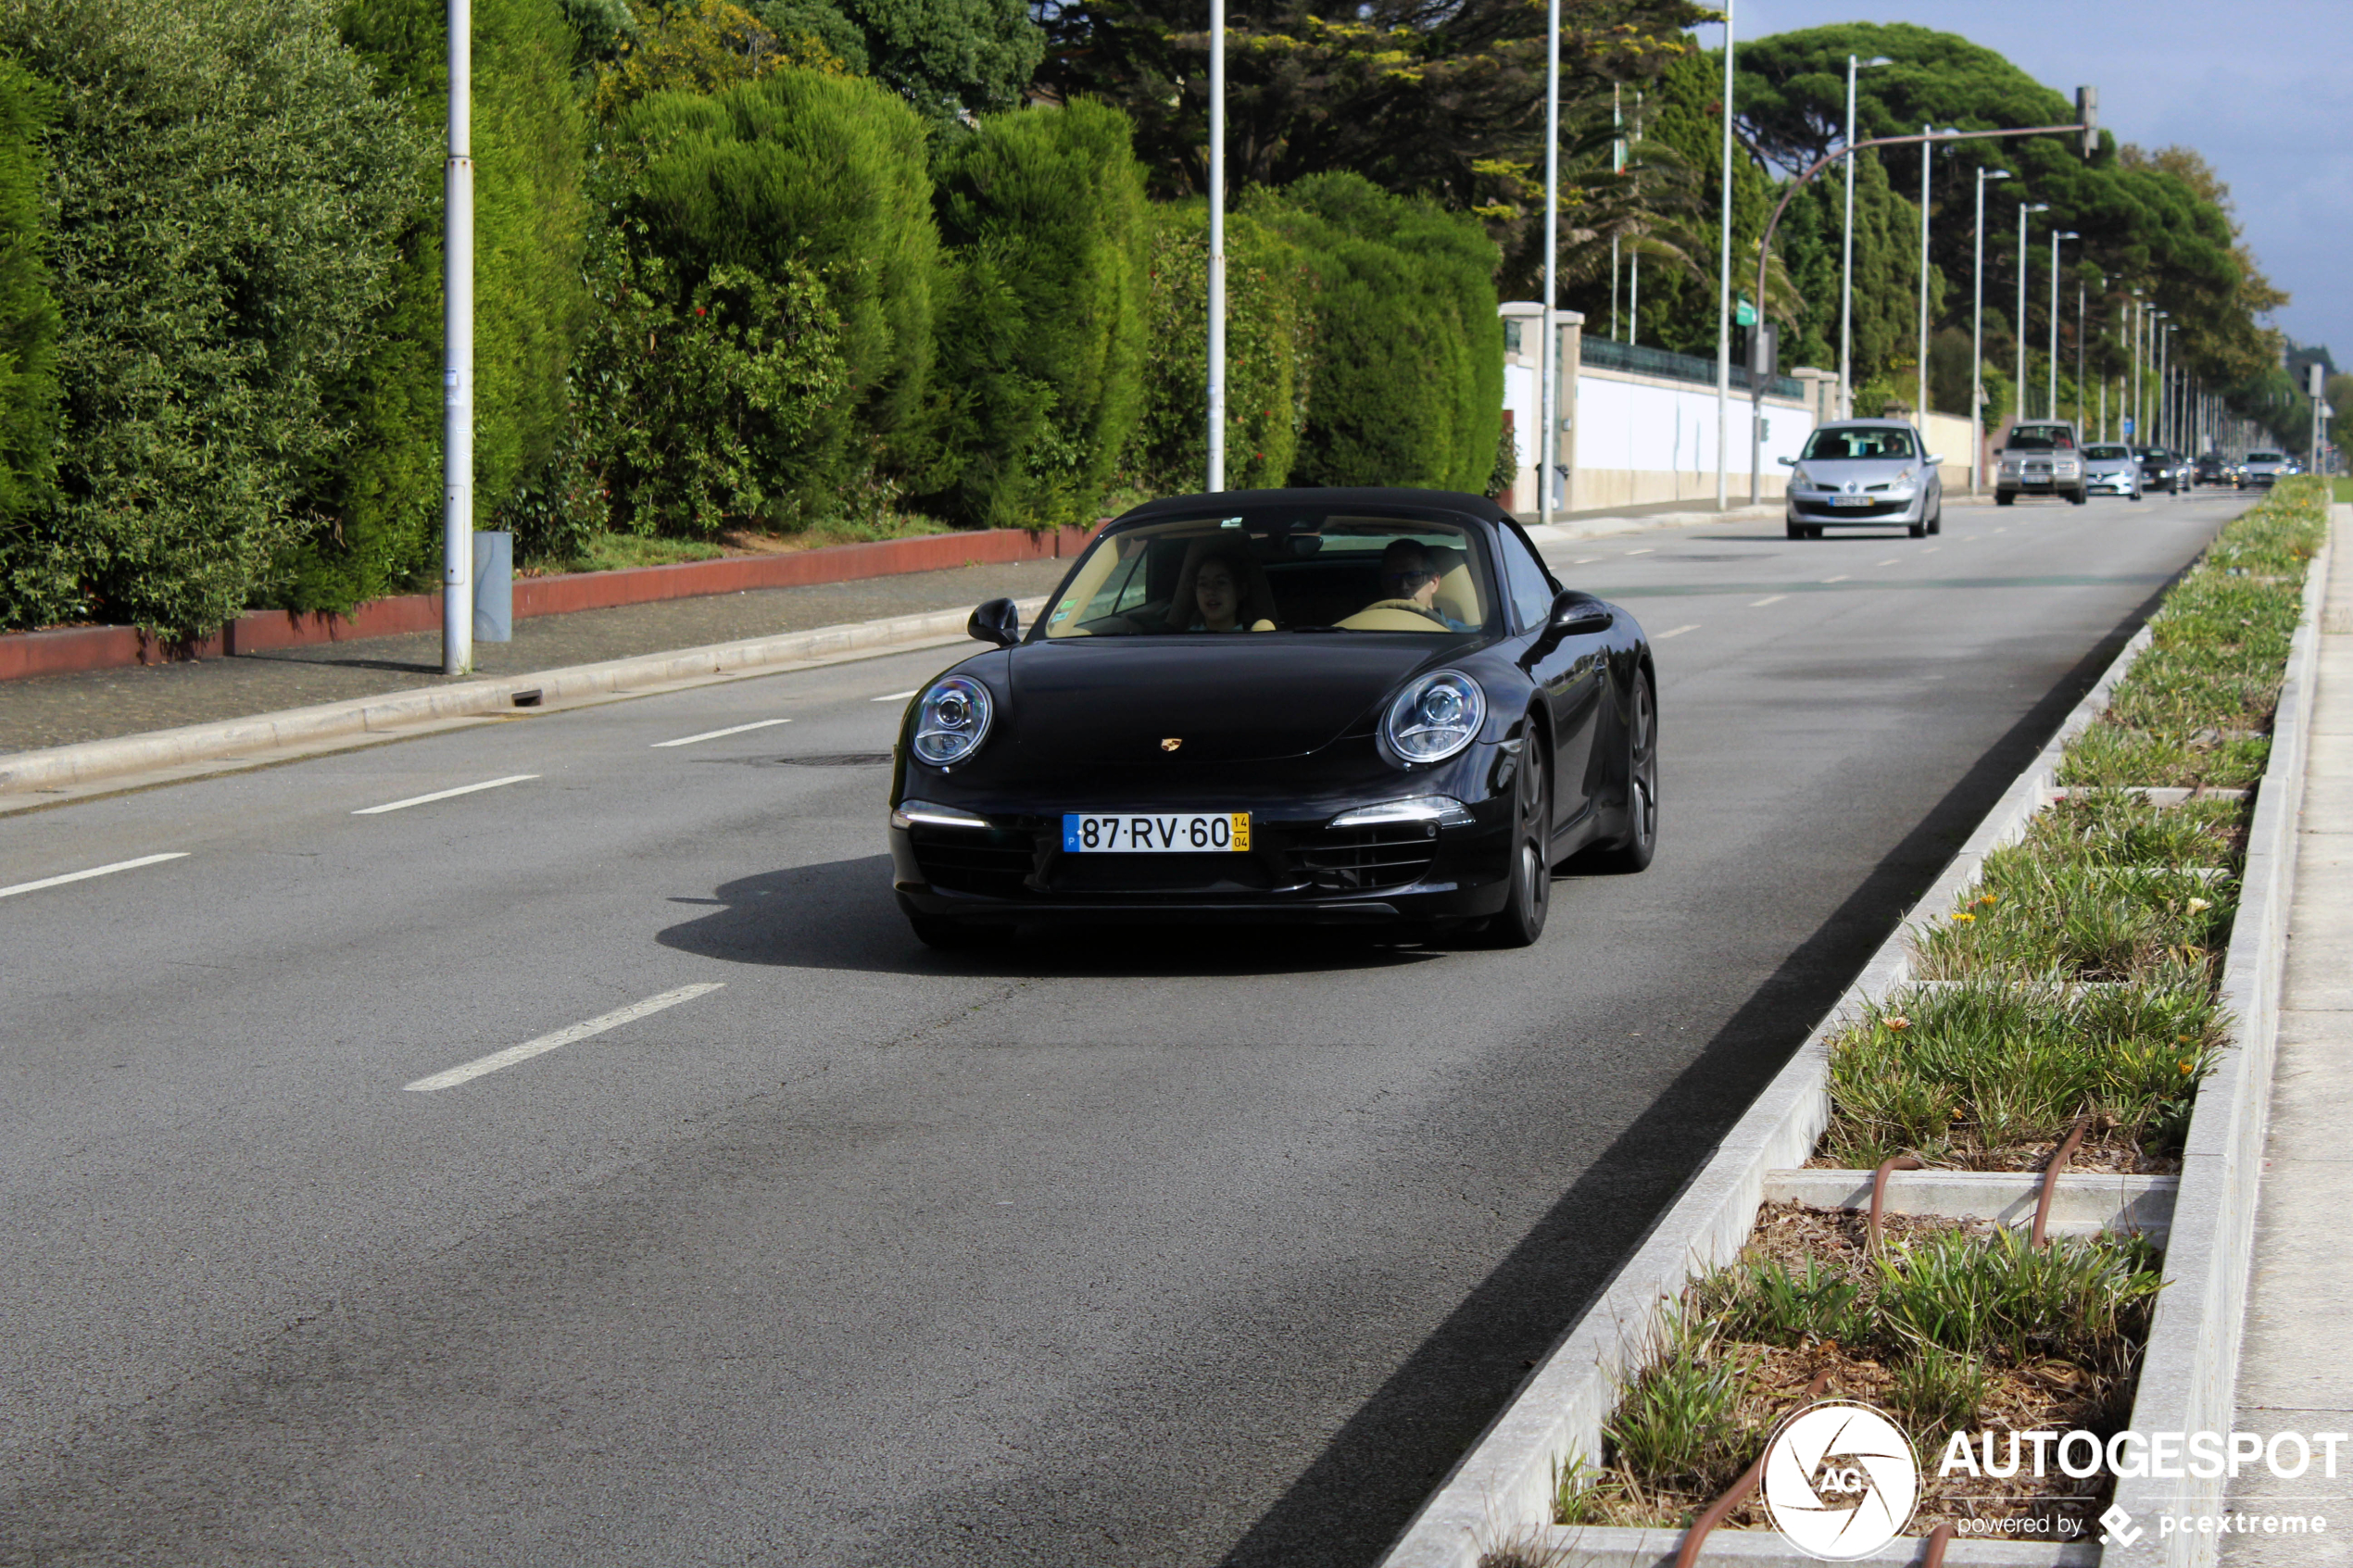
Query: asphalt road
1139,1247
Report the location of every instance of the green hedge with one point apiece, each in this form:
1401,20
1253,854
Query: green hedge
529,150
1407,378
225,178
29,396
1040,380
820,172
1269,341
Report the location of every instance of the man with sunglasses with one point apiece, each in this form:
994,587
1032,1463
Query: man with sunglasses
1408,580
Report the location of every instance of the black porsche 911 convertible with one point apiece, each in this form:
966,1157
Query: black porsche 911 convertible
1330,706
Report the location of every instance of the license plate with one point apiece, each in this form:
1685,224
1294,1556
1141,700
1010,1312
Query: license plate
1850,500
1139,832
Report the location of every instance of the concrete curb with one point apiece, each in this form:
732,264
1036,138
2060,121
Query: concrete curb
2082,1204
386,717
2189,1373
1503,1488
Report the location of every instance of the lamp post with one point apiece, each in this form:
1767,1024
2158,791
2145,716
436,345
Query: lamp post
1846,254
1549,399
2050,403
1216,476
2082,327
1723,286
1919,397
2164,335
457,356
2139,431
1977,337
2018,331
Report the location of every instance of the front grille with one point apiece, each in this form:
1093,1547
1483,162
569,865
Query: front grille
1350,860
994,864
1869,509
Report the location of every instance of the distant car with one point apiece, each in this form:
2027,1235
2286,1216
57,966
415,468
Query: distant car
2160,470
1864,474
2212,469
2041,459
2262,467
2112,471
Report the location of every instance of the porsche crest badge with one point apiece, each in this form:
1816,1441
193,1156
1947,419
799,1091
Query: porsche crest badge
1172,742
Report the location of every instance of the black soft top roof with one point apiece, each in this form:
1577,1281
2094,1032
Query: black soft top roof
1478,506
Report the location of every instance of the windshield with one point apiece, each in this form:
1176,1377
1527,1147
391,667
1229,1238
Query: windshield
2107,451
2042,438
2265,457
1835,442
1293,570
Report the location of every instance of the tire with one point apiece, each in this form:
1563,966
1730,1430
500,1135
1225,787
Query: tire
1814,531
1936,523
1796,530
1633,853
1918,529
2079,495
2004,499
1527,887
2133,497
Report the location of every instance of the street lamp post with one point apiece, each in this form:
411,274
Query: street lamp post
1216,476
1977,337
1920,406
2082,326
2050,403
2139,431
2018,329
1723,286
457,356
1548,401
2164,337
1846,255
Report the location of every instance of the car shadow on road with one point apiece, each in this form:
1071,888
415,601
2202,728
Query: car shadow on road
1350,1503
839,914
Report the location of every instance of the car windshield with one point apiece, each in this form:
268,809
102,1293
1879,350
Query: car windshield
1296,569
2265,457
2154,452
2107,452
2042,438
1836,442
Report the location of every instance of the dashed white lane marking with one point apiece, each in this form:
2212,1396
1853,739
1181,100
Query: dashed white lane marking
1584,561
561,1037
1676,632
1892,561
1768,599
899,696
1932,550
440,795
714,734
94,871
1842,577
1645,550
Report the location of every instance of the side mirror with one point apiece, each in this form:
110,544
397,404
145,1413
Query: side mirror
997,621
1789,462
1934,461
1577,614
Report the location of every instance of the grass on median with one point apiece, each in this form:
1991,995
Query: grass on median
2037,916
1949,1326
2116,828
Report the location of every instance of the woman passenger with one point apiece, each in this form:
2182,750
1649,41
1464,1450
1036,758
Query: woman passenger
1218,595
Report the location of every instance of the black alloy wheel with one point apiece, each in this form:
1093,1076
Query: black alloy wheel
1527,896
1633,853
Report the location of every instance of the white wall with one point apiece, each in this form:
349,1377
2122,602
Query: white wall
1640,439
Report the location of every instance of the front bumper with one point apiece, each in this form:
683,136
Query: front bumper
1874,511
2113,485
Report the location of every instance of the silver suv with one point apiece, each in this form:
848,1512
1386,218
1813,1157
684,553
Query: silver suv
2264,468
2043,458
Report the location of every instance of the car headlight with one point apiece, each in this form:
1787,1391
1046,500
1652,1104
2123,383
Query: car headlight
1435,717
1800,479
953,719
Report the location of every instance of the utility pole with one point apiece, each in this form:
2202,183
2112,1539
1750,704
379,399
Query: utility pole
1723,283
1977,335
2018,331
1846,257
457,356
1617,167
1919,402
1216,246
1548,399
2050,402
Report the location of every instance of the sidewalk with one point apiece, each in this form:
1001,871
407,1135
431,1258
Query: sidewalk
2294,1373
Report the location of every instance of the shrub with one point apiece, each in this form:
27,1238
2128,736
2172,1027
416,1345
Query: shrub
29,401
225,182
1040,380
1269,339
1408,380
530,148
821,172
704,47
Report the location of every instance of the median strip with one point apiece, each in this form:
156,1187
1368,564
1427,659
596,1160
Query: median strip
561,1037
95,871
442,795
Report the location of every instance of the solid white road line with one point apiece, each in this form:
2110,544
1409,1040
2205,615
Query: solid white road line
714,734
1768,599
95,871
439,794
1676,633
578,1031
899,696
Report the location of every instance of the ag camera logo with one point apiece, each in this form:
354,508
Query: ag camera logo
1841,1481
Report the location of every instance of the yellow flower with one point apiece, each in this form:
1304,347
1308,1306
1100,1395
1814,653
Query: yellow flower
2199,905
1991,899
1965,917
2187,1066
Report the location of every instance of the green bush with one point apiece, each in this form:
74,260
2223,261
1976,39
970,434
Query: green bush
1270,334
1040,380
225,183
822,172
530,149
1407,386
28,400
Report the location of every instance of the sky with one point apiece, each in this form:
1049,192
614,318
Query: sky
2264,92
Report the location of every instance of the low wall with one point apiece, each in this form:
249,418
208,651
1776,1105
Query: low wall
1645,439
75,648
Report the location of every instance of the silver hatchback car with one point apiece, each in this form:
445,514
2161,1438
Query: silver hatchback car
1864,473
2111,470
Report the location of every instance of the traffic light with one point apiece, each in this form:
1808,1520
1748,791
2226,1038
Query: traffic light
2087,114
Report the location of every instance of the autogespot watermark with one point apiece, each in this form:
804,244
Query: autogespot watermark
1842,1480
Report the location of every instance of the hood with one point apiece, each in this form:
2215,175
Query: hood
1836,473
1242,697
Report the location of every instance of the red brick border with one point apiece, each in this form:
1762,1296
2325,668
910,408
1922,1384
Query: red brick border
24,654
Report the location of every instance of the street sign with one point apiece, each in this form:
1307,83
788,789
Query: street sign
2128,424
1744,313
